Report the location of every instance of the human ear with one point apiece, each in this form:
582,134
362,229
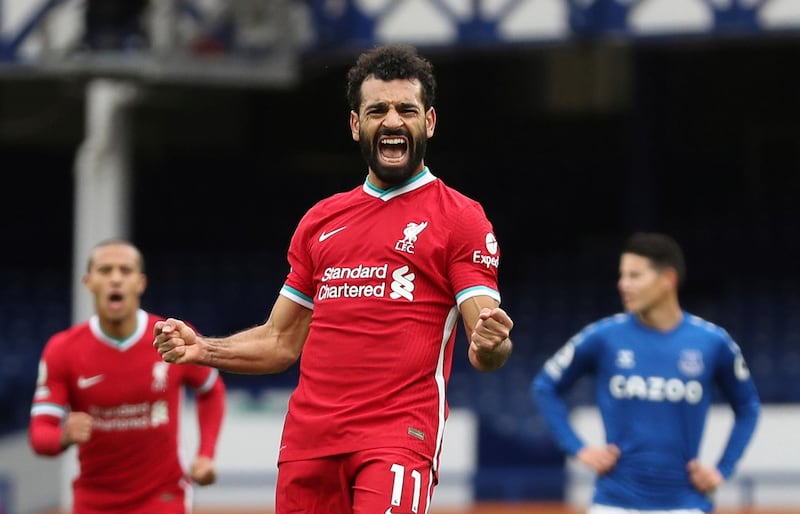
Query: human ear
355,125
430,122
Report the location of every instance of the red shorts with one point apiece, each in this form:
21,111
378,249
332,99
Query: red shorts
378,481
171,499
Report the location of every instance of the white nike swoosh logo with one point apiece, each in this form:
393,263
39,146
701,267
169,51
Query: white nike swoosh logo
326,235
84,382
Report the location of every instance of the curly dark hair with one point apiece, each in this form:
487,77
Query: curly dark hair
391,62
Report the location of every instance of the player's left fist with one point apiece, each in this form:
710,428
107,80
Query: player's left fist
202,471
493,327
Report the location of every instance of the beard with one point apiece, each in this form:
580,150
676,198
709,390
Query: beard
392,175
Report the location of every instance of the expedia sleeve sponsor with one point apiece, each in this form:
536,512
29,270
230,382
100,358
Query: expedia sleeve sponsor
481,258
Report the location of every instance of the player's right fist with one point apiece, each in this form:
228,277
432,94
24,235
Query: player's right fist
77,429
173,337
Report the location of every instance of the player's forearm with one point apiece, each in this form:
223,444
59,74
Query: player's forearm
253,351
210,412
556,414
46,439
742,431
493,359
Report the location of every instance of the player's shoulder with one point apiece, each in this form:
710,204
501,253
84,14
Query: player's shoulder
342,198
455,199
609,324
152,317
66,337
709,331
602,329
705,326
455,209
326,207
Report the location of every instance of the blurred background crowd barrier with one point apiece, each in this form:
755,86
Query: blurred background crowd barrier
573,122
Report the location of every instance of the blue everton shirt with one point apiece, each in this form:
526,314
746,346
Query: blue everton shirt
653,390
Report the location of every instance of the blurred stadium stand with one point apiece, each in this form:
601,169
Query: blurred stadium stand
618,115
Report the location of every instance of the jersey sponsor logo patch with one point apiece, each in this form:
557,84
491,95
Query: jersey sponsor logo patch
691,363
41,377
41,393
403,284
326,235
625,359
556,364
128,417
160,370
356,272
366,282
740,369
655,389
490,258
491,243
410,235
87,382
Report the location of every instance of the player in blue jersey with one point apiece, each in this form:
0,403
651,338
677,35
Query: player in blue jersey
655,368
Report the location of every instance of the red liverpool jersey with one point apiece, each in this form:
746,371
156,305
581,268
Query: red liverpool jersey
135,400
384,272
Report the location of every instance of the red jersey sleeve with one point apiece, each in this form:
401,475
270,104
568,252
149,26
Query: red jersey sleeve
210,396
299,284
51,399
473,268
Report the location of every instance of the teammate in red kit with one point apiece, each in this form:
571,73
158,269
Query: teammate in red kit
378,278
101,386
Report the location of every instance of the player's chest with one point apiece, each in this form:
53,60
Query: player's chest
657,362
381,234
111,377
656,374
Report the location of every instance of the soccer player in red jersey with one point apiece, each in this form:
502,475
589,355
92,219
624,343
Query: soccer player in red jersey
101,386
379,276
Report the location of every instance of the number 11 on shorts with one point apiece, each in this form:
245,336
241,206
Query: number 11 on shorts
397,486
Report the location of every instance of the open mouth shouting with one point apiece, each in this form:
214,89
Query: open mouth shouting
393,156
393,149
115,300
